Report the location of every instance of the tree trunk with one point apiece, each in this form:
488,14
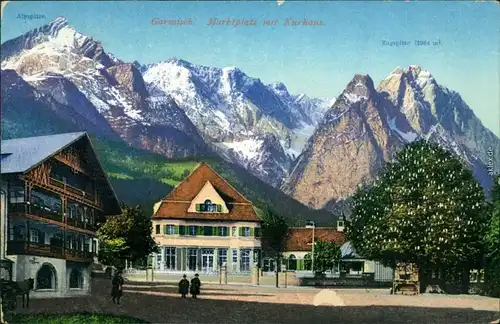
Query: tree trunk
465,279
277,271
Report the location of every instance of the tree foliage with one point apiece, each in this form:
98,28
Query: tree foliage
492,243
275,233
426,208
326,255
126,237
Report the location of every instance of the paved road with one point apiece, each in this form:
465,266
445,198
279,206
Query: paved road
160,303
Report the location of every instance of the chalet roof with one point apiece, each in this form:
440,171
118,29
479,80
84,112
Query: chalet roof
22,154
176,204
300,238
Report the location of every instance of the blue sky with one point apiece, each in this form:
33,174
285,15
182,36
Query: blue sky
318,61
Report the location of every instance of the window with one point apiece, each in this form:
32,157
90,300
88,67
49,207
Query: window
94,246
208,230
292,263
246,231
34,236
258,232
340,223
222,231
76,279
169,229
192,230
233,231
182,230
192,258
222,255
46,278
208,207
169,258
245,259
16,194
158,230
235,260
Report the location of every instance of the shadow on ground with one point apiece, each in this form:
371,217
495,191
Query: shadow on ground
150,306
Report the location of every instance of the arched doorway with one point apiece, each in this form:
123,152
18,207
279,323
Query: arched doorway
76,279
292,262
46,277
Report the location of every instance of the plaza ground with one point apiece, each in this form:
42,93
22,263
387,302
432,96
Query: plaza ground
237,303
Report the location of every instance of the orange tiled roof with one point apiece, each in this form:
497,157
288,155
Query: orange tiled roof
176,204
191,186
300,239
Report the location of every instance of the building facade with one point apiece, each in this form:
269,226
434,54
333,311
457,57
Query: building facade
54,194
298,248
205,223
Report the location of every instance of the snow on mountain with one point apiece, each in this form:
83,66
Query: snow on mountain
234,112
116,89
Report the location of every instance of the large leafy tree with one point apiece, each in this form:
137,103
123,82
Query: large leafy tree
275,232
326,255
126,237
492,243
425,208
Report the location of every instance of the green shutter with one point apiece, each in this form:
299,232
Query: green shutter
198,207
219,208
252,231
215,231
240,231
200,230
182,230
165,229
300,264
227,230
176,229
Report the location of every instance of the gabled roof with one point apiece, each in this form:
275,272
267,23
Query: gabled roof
194,182
22,154
176,204
348,251
300,238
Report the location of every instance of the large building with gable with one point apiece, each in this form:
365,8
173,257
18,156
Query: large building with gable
54,193
205,223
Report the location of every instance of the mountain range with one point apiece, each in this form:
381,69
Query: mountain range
316,150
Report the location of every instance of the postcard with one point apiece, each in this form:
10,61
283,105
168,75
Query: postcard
155,151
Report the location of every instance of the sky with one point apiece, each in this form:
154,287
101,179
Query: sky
316,60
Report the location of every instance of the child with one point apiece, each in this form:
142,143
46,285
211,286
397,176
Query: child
183,286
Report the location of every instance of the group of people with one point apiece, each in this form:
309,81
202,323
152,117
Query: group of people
194,289
184,286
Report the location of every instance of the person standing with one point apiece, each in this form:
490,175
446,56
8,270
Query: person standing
183,286
195,286
117,284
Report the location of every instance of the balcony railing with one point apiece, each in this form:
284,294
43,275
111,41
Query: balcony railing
82,194
48,213
47,250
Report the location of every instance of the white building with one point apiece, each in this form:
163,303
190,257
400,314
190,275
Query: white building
54,192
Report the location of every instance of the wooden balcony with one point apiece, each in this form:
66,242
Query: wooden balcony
47,250
75,192
54,216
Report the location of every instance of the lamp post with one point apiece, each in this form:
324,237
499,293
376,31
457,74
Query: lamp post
312,225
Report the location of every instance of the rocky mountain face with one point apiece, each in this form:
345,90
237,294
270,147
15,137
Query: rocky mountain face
261,127
76,72
173,108
366,126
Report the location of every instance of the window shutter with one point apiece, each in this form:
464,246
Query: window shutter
300,264
41,237
215,231
252,231
198,208
200,230
176,229
227,230
240,231
165,229
219,208
182,229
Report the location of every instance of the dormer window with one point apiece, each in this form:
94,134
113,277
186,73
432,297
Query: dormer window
208,207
